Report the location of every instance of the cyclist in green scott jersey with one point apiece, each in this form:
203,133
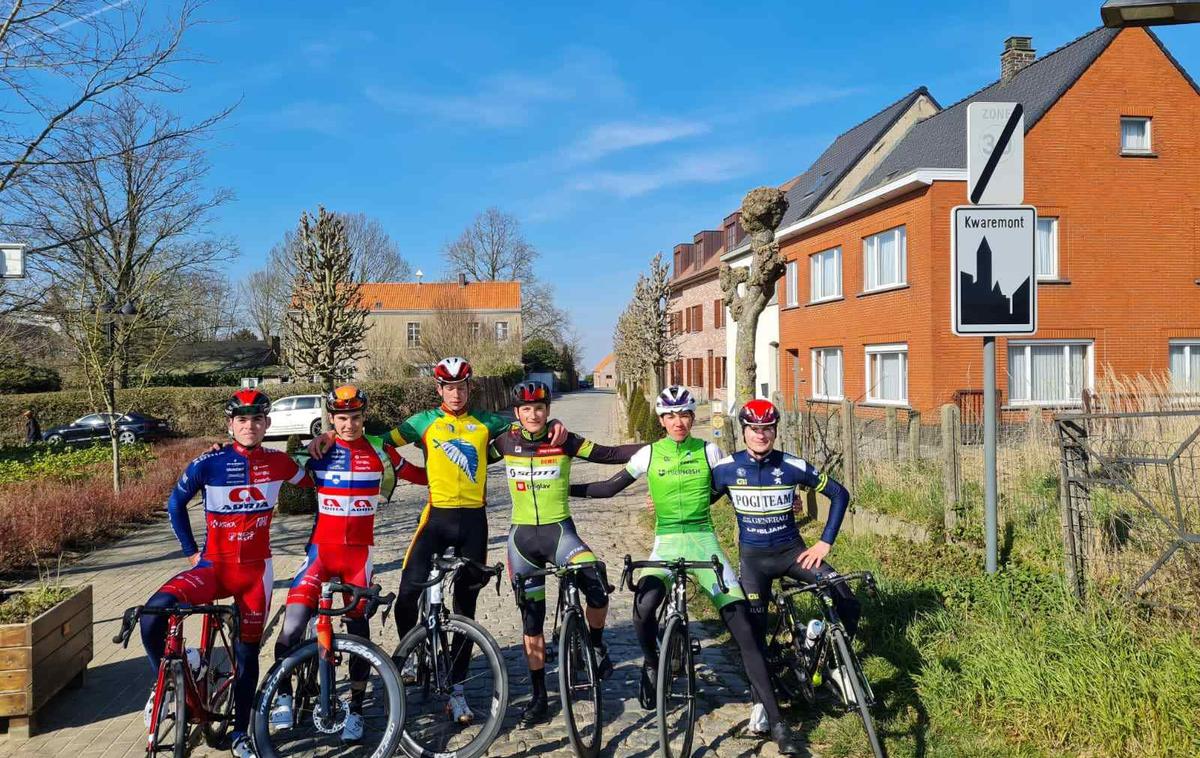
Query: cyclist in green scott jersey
542,531
678,469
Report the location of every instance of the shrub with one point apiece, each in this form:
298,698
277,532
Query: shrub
15,378
23,463
293,499
20,607
43,518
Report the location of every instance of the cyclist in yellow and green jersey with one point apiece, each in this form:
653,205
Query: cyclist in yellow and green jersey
542,531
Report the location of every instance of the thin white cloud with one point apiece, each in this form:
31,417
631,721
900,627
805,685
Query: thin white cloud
695,168
606,139
329,119
510,98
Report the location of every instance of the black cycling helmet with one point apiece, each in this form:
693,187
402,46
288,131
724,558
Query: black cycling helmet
532,391
249,402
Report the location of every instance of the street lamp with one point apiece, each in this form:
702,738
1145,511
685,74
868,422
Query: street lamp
1119,13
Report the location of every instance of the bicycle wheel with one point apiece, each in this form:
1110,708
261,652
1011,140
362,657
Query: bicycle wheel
676,691
219,676
317,733
168,723
858,684
579,686
464,660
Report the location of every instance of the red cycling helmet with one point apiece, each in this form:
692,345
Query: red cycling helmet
452,370
249,402
346,398
758,413
531,392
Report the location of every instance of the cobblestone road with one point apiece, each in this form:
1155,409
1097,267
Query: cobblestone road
103,718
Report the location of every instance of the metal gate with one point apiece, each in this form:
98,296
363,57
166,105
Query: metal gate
1130,495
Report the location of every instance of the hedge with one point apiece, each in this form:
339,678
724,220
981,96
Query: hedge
22,378
196,411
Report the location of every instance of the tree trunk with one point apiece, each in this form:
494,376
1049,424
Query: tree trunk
747,367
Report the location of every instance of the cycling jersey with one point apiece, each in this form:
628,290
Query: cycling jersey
763,493
348,479
679,475
539,473
241,487
455,449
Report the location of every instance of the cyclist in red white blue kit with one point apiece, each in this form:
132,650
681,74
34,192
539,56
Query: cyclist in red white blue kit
240,485
349,479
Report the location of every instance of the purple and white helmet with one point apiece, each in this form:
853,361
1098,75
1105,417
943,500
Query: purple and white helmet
674,399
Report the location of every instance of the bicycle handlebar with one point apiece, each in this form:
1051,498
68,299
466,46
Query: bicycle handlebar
130,618
792,587
676,566
451,565
560,572
371,594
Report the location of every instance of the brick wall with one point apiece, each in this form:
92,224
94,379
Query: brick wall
706,345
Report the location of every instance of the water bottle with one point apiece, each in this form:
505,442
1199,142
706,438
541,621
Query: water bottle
194,662
816,627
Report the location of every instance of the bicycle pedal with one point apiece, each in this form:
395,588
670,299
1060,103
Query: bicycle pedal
695,647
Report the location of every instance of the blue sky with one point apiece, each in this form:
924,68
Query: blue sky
610,133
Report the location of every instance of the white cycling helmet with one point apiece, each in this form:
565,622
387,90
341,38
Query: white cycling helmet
452,370
674,399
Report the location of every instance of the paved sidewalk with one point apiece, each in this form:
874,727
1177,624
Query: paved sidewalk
104,717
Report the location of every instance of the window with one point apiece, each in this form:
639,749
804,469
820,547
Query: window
1135,134
718,313
1185,365
826,279
286,404
1049,372
307,403
501,330
476,330
719,372
1047,248
414,334
695,318
827,373
695,372
793,292
887,373
885,259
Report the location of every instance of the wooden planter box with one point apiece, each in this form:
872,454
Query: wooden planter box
40,657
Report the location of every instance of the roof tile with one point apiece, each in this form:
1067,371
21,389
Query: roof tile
413,296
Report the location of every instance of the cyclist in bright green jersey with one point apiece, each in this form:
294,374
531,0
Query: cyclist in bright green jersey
542,530
678,469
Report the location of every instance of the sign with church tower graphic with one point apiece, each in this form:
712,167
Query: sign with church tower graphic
993,274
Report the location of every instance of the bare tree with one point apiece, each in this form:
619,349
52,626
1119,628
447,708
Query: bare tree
264,300
455,329
643,342
377,257
209,312
748,290
492,248
122,223
327,323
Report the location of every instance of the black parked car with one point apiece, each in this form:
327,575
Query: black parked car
132,427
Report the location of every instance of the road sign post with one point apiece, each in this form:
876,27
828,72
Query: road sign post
993,266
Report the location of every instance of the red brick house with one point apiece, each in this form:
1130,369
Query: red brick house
1112,164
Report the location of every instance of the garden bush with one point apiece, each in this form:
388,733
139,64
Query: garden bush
293,499
15,378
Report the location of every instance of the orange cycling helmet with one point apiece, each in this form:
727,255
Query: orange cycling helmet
346,398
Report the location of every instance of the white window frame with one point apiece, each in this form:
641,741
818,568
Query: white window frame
497,329
1048,275
817,262
1089,370
1189,346
820,392
872,384
791,279
871,246
413,336
1149,148
476,329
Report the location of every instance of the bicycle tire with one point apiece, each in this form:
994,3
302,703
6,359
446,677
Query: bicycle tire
300,656
171,681
579,682
675,661
856,676
478,637
219,684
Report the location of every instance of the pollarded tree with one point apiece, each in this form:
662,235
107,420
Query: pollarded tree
748,290
326,322
643,341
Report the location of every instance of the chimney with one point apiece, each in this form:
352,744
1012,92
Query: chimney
1018,53
462,280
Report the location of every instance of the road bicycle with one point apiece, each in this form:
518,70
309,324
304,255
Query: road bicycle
801,662
578,660
677,649
194,687
439,654
328,676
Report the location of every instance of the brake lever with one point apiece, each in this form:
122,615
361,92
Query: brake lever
498,569
718,569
